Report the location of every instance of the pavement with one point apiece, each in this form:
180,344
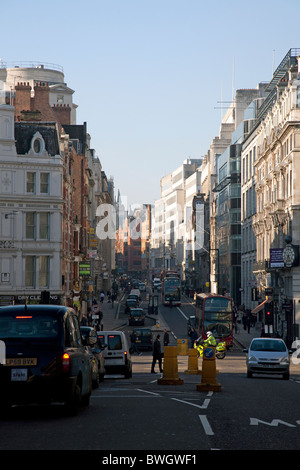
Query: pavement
114,319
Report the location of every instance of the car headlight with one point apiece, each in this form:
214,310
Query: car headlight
252,359
285,360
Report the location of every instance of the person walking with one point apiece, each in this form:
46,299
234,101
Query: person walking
133,344
156,355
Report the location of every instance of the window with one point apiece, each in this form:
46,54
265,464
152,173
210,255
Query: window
30,182
43,271
44,226
37,267
44,183
37,226
30,225
30,271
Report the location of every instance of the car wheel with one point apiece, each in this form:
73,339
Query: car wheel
96,382
72,403
286,376
249,374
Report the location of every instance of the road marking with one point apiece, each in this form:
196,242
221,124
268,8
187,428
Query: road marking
202,407
182,313
207,428
147,391
274,422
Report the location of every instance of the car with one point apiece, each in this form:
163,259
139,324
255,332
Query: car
133,296
142,287
268,356
116,354
90,338
136,316
144,338
135,292
46,360
130,303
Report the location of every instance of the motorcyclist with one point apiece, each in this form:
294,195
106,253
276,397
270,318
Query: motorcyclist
210,340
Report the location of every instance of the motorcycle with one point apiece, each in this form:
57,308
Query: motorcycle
220,349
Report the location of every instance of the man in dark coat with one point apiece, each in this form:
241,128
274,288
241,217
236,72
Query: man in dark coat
156,355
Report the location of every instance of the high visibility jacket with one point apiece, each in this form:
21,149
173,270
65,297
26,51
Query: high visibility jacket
210,341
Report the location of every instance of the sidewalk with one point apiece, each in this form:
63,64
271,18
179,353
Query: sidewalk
244,338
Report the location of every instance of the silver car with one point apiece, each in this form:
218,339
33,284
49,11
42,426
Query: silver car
268,356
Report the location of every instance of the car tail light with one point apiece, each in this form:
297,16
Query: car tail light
66,362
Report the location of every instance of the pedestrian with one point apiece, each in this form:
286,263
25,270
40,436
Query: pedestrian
156,355
133,344
193,336
102,295
166,338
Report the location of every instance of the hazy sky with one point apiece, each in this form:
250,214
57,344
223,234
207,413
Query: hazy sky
149,75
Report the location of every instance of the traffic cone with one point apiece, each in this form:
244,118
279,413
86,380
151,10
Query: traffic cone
192,362
209,373
170,373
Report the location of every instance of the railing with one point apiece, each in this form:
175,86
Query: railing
32,65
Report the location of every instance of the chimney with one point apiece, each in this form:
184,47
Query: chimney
22,101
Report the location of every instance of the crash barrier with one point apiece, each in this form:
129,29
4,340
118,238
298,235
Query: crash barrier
192,362
182,347
170,369
209,372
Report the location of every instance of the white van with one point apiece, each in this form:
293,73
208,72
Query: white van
136,292
116,354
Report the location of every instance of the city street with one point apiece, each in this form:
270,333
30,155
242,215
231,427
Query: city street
140,414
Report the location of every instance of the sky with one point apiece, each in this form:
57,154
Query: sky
152,78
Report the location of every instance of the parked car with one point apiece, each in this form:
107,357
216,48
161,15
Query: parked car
117,355
268,356
144,339
136,316
90,338
45,358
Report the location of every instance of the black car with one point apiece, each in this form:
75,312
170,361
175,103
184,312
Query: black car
144,338
90,338
136,316
46,360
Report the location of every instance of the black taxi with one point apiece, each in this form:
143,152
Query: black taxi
45,358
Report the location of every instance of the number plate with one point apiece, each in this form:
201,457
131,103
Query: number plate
21,361
18,375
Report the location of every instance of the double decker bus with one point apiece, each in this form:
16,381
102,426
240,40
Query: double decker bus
214,313
171,291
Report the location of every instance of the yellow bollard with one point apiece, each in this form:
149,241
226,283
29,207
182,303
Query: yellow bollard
182,347
209,381
192,362
170,373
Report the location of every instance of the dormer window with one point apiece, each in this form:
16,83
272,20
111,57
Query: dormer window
37,146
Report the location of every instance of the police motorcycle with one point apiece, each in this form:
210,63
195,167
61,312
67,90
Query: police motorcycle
199,345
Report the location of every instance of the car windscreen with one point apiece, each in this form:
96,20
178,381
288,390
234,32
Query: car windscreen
266,345
28,326
114,342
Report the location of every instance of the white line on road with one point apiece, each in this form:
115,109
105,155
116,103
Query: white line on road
202,407
207,428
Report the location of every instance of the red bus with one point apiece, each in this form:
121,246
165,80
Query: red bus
214,313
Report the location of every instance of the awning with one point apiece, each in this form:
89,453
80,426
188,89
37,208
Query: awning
261,306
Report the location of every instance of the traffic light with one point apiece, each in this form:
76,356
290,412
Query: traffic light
269,313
